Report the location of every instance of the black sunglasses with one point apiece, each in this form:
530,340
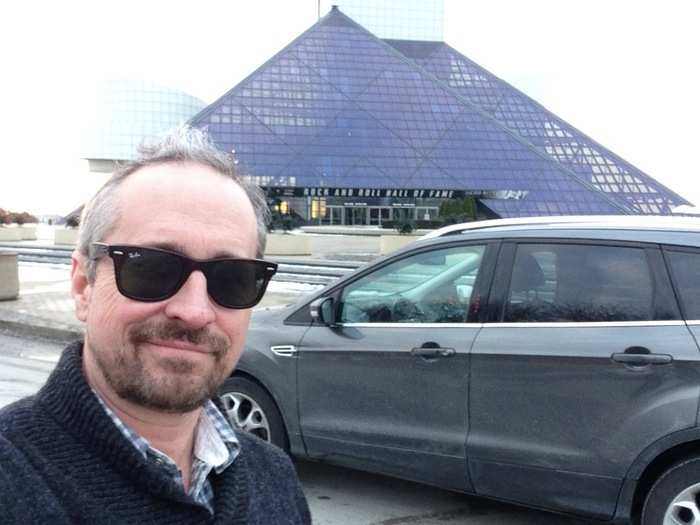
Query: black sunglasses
152,274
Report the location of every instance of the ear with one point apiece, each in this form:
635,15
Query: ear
80,286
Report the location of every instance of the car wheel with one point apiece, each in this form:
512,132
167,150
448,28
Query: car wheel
675,497
248,407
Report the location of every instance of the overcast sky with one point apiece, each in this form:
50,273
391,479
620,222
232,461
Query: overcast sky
625,72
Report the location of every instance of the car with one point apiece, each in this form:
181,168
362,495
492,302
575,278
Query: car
549,363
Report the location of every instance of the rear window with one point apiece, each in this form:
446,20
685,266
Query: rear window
686,271
579,283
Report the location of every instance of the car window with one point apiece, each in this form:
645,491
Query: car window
686,271
430,287
581,283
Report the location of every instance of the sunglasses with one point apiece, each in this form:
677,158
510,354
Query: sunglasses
152,274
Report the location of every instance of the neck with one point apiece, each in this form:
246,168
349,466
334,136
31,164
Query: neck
171,433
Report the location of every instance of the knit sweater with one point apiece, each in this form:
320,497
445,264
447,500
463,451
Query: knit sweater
62,460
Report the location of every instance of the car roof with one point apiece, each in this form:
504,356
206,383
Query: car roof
607,222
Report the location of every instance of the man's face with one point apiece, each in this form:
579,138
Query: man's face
170,355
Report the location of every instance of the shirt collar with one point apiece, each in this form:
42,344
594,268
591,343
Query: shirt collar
215,441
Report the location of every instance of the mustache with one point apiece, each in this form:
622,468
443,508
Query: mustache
173,331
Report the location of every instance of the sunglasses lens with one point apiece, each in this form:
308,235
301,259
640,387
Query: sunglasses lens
149,274
236,284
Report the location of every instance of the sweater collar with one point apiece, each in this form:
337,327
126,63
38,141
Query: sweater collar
72,403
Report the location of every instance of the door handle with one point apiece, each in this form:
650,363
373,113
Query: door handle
638,356
432,352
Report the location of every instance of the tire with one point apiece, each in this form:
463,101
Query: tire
247,406
674,499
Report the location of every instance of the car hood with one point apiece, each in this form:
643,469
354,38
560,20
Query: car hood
268,315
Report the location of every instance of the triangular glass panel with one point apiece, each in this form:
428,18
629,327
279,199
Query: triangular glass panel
534,123
413,106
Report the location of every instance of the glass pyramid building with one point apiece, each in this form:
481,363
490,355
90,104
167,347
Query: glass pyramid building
340,112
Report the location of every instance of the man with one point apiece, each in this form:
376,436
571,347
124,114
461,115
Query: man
164,277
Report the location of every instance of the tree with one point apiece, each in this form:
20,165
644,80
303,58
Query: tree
23,218
458,210
9,217
405,227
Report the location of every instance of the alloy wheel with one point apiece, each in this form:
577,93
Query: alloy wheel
245,413
685,508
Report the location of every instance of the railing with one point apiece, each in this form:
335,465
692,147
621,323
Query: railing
301,270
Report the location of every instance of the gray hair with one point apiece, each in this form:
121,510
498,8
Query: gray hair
184,144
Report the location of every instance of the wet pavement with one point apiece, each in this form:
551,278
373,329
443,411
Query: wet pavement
24,364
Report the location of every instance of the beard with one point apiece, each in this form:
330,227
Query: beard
173,385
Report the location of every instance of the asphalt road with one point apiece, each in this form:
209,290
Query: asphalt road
24,365
337,496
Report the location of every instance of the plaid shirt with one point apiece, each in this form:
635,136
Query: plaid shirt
215,448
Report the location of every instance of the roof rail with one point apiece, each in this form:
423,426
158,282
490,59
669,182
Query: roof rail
609,220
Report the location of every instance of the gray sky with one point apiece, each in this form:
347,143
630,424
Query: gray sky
625,72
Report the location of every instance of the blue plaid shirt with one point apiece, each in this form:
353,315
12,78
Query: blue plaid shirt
215,448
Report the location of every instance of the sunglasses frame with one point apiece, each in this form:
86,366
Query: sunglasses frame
118,254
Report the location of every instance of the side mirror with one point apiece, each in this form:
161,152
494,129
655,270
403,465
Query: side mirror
321,311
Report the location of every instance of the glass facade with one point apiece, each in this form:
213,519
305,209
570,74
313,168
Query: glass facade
129,111
406,19
592,164
340,108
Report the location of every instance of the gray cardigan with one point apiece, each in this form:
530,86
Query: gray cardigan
63,461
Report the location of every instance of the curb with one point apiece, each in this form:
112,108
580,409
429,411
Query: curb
62,334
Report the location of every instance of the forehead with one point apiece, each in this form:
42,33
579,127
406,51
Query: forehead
187,205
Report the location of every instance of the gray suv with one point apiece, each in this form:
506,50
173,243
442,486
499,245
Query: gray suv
552,363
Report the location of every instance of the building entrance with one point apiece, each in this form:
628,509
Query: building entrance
404,214
335,215
380,214
356,216
368,215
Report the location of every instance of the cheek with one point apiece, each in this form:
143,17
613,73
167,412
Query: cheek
103,302
110,309
236,326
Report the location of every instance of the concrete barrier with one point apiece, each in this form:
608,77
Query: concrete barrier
10,233
65,236
28,232
368,231
390,243
9,276
287,244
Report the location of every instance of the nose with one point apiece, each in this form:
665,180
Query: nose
191,304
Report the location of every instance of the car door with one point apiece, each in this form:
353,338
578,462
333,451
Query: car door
385,388
586,365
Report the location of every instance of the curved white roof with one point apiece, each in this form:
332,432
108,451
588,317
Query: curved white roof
129,111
